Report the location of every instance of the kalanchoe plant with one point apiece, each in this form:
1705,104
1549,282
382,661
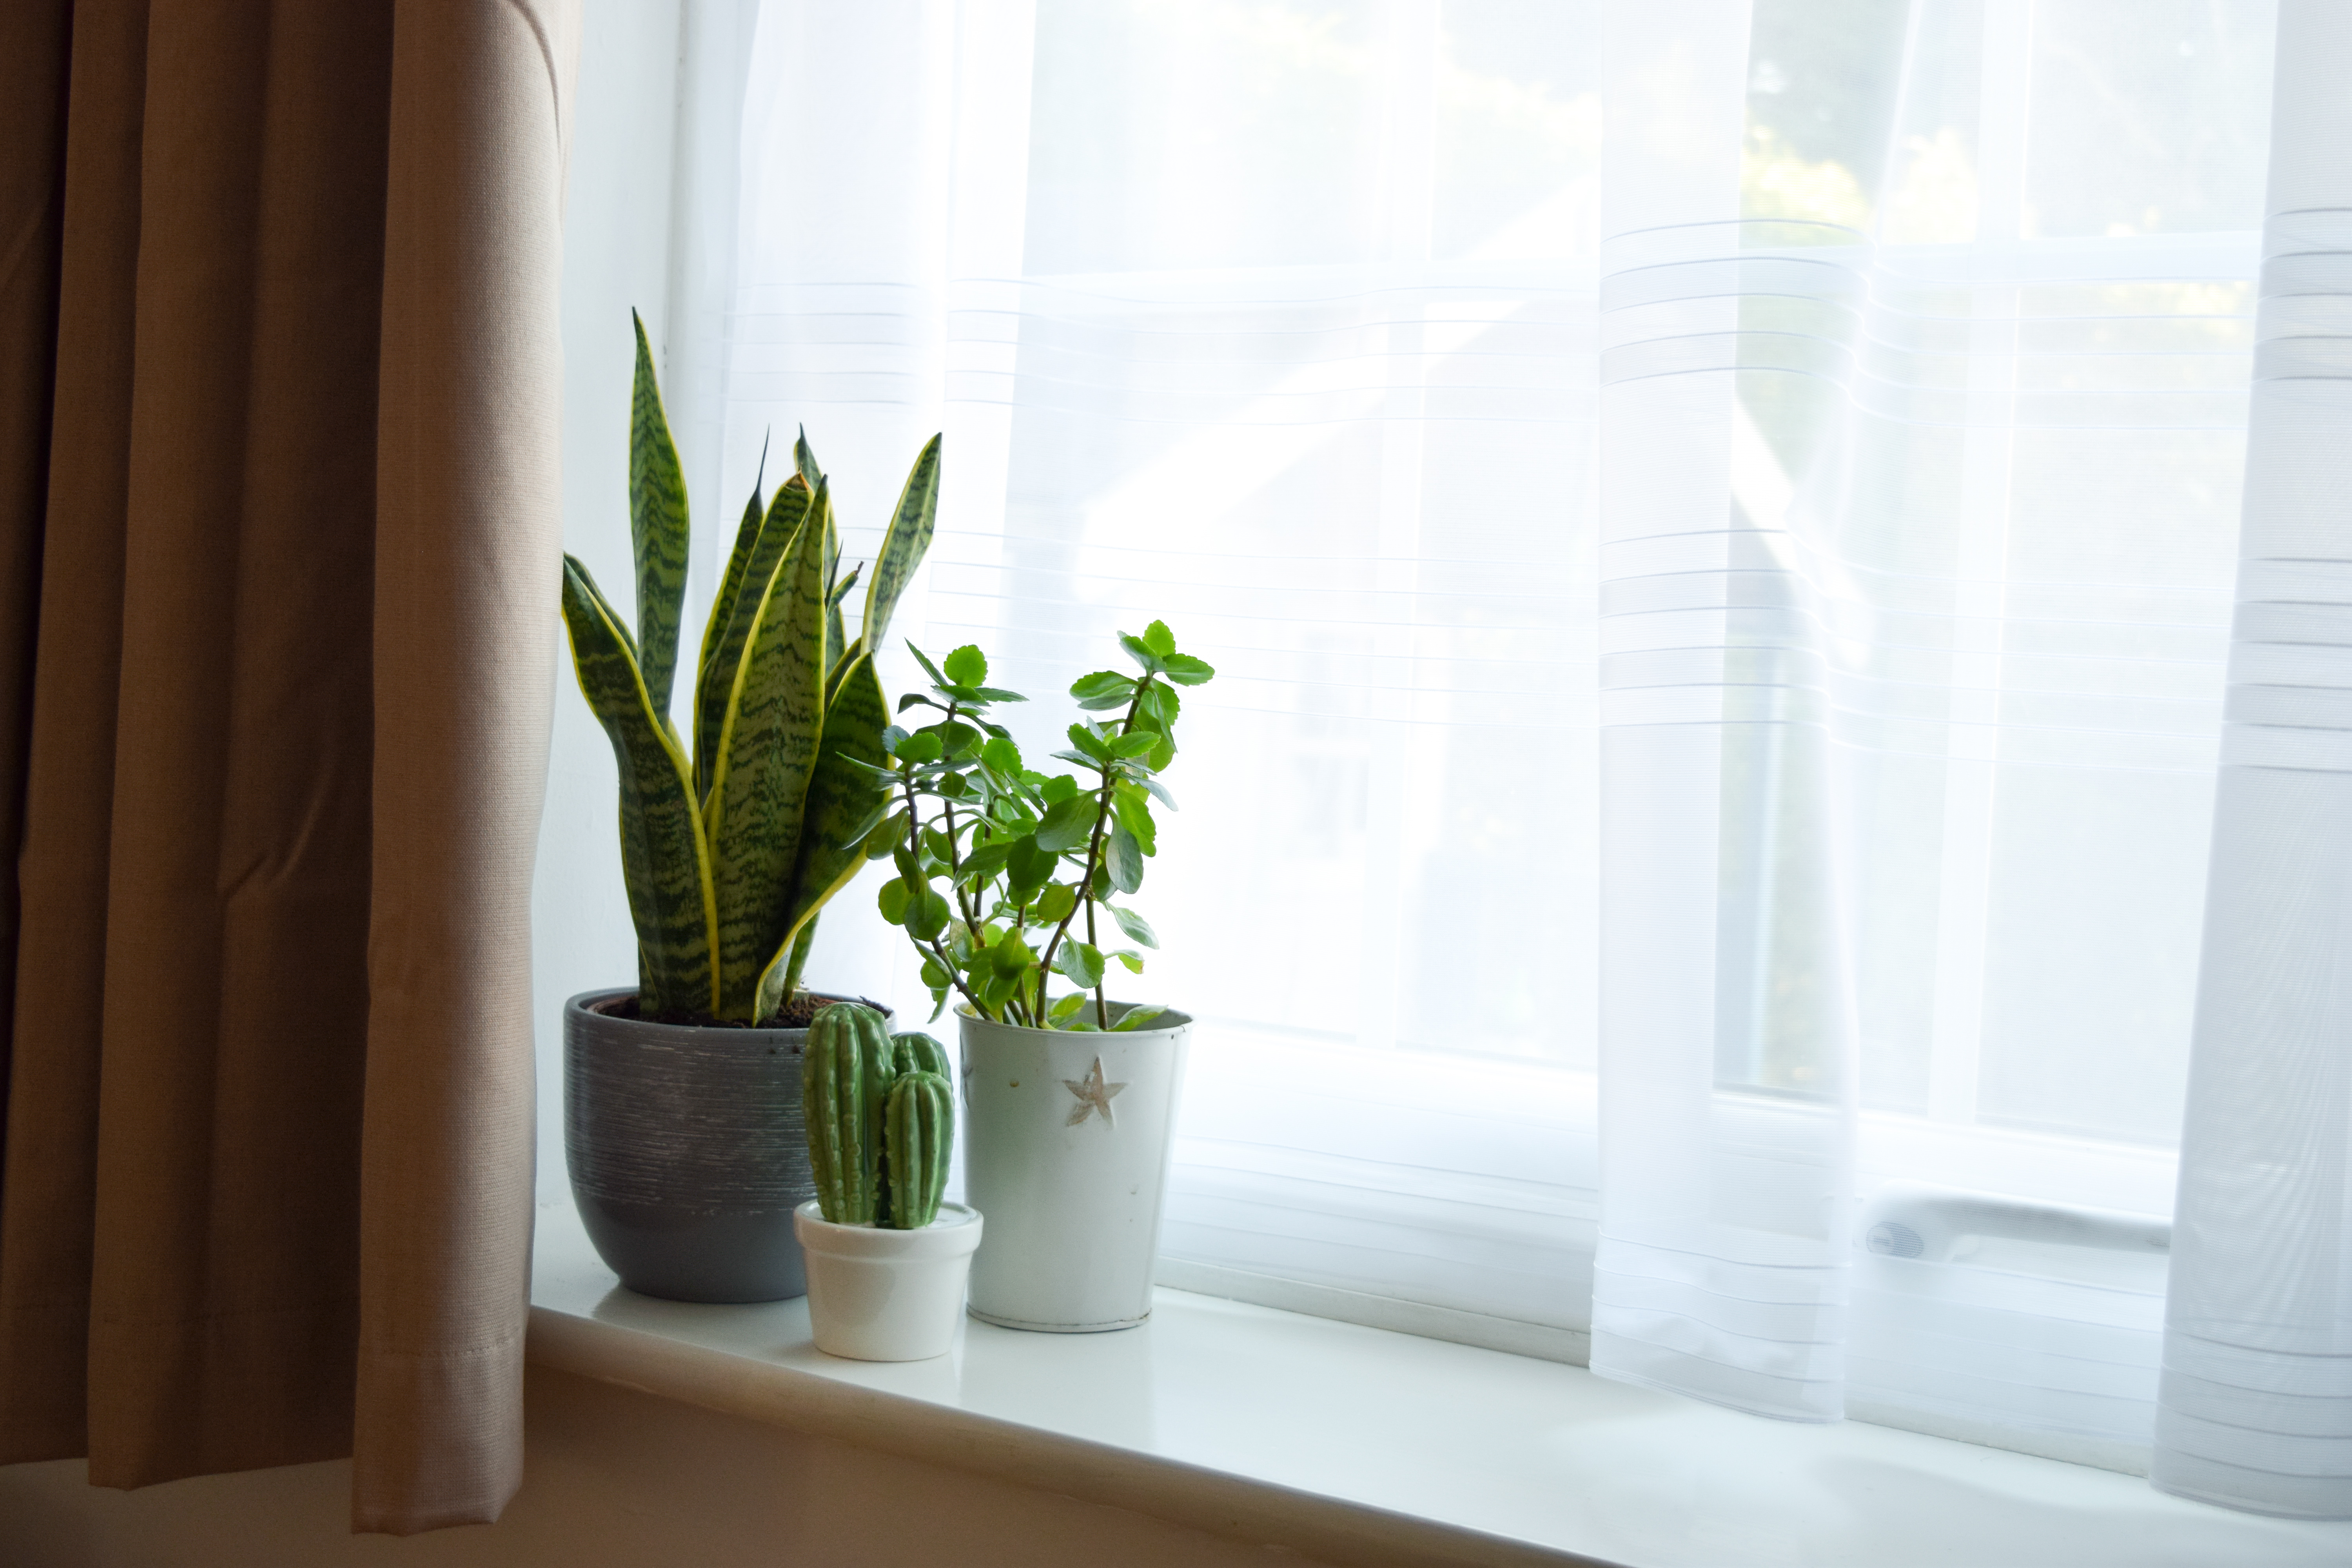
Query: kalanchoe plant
1006,875
730,851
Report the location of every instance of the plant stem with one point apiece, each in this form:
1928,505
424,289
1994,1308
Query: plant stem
1102,1008
940,956
971,912
1094,853
915,847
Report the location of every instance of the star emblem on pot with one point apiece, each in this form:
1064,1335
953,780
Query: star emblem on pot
1093,1094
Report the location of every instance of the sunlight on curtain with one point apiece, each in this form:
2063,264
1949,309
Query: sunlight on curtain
2257,1393
1924,418
1716,524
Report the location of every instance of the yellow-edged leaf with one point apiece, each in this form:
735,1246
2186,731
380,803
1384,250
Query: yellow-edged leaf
663,857
732,615
842,802
658,530
903,545
767,755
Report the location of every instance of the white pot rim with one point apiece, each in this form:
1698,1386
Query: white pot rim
1170,1020
955,1234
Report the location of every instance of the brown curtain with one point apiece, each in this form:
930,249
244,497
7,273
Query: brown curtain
278,415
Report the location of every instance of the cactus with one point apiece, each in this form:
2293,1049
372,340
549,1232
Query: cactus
880,1115
730,850
919,1128
846,1071
918,1053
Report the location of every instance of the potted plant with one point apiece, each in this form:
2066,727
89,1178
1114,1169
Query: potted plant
682,1115
1007,880
886,1260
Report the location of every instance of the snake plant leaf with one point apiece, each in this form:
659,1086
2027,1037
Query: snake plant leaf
849,657
736,610
834,641
805,461
773,993
658,529
767,755
596,594
731,584
908,536
845,799
663,857
836,651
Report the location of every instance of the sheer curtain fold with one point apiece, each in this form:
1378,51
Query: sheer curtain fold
1720,1265
2256,1409
269,865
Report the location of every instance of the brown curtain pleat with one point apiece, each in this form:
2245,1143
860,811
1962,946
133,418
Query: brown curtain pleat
266,1195
469,550
33,35
48,1188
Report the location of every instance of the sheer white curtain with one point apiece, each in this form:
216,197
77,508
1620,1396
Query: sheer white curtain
2257,1407
1717,522
1259,320
1920,477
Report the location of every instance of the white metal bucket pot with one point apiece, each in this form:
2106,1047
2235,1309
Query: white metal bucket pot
1065,1151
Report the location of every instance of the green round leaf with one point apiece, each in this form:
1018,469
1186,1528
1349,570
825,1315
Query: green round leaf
1103,688
928,917
1068,824
887,837
1003,756
1137,928
893,899
1029,868
1124,857
966,666
1140,651
1054,904
1186,670
1081,963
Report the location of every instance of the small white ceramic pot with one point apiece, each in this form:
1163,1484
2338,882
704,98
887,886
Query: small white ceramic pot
879,1294
1066,1150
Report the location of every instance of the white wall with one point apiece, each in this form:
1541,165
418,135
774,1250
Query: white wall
616,256
615,1479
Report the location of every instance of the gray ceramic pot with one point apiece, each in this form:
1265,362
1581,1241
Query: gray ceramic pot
686,1153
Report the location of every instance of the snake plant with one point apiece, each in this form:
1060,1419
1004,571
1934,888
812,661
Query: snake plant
731,848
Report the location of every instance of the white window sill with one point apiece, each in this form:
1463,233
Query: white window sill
1361,1446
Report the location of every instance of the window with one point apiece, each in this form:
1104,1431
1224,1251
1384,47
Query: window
1717,525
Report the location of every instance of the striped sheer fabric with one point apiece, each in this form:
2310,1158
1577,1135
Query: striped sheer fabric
1916,532
1715,523
2257,1406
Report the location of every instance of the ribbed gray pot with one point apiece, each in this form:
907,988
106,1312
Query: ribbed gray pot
686,1153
